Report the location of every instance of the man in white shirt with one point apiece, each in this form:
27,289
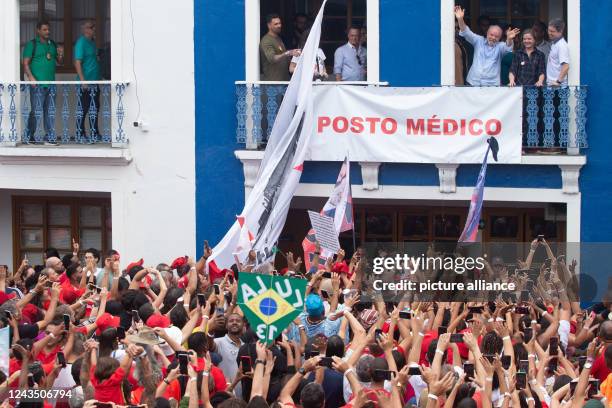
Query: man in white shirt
558,63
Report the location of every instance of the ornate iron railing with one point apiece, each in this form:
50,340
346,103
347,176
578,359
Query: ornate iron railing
91,112
554,119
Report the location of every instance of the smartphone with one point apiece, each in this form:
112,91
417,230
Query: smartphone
523,365
386,374
230,279
540,238
245,362
405,315
61,359
183,361
524,295
469,370
327,275
469,317
326,362
456,338
594,387
49,284
441,330
490,357
415,370
573,384
30,380
553,346
311,354
476,309
505,361
528,333
91,287
217,289
67,322
135,316
553,364
103,405
120,333
521,380
324,294
377,333
581,361
201,299
529,287
521,310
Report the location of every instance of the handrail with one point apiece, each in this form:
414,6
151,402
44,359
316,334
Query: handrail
66,82
314,83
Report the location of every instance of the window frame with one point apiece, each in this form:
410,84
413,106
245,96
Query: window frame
252,37
75,204
67,20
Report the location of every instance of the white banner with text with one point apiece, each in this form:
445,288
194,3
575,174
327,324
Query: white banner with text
416,125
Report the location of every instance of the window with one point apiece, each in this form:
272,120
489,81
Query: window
65,18
517,13
40,223
339,15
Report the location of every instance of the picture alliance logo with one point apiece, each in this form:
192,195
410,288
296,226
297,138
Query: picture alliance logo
411,263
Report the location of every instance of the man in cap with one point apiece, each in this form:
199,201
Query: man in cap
313,320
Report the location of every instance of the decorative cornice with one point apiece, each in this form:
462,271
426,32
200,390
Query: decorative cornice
369,175
447,173
60,155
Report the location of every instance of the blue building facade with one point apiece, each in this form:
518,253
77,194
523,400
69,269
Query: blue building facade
411,50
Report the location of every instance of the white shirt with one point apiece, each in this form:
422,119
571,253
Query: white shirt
559,55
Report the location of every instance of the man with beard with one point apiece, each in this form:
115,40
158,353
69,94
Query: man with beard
273,55
228,346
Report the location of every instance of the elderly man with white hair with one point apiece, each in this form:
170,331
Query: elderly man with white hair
488,52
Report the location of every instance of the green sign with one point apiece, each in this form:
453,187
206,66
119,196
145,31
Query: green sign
270,303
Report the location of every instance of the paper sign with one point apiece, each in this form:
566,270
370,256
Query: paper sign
325,231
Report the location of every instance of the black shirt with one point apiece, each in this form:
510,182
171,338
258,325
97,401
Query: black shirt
527,69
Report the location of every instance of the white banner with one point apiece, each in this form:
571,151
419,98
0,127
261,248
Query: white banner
265,210
416,125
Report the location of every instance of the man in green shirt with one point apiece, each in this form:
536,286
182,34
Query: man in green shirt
88,69
273,55
40,56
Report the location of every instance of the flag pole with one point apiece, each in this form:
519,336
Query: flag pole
352,202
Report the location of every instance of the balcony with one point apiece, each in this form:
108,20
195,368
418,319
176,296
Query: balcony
47,122
554,132
554,119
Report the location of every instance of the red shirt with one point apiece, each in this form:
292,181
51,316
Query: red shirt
216,373
108,390
70,292
600,370
45,358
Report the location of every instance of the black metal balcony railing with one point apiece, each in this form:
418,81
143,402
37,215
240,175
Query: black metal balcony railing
62,113
554,119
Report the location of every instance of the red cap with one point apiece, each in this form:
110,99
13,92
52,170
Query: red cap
133,264
340,267
69,295
105,321
30,312
4,297
158,320
178,262
148,281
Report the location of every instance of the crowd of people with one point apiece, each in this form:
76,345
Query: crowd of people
175,335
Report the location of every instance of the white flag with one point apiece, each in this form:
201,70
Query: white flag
266,208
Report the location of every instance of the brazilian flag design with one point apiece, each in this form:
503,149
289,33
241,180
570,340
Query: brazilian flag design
270,303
